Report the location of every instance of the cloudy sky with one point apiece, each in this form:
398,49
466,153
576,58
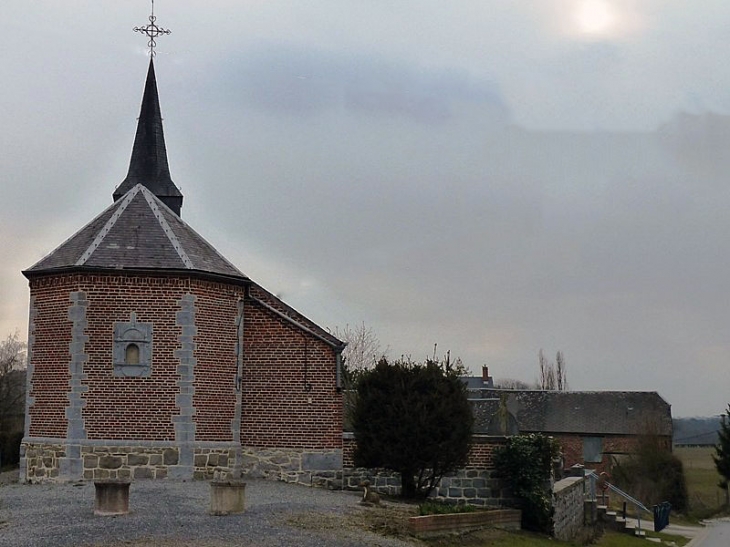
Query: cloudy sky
495,177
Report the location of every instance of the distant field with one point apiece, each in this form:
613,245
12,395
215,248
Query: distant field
702,478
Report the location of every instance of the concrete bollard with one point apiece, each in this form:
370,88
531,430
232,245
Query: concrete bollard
227,496
111,497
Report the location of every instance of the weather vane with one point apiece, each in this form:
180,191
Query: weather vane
152,31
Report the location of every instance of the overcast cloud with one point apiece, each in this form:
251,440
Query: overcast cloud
495,177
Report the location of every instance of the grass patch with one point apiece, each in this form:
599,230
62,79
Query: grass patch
705,498
497,538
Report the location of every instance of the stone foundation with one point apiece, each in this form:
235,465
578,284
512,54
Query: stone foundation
55,461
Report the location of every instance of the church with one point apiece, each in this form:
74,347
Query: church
151,356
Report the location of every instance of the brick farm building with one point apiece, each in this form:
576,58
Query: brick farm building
152,356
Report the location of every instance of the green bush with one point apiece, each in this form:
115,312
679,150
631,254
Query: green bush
414,419
441,508
652,474
526,462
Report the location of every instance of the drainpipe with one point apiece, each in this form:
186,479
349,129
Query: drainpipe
238,409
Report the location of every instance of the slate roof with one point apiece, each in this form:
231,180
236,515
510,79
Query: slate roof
148,164
142,230
137,232
576,412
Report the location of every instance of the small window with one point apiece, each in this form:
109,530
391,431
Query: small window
592,449
132,353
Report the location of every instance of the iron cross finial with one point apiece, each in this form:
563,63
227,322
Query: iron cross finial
152,31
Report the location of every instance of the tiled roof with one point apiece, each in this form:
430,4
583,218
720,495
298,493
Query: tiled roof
137,232
580,412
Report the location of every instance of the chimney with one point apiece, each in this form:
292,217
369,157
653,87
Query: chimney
486,378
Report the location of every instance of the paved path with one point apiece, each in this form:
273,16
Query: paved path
175,513
673,529
715,534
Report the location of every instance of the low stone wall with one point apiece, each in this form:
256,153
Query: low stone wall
322,468
382,481
568,504
473,486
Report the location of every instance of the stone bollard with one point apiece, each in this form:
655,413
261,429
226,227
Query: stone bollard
112,497
227,496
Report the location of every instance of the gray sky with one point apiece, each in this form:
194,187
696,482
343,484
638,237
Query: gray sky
495,177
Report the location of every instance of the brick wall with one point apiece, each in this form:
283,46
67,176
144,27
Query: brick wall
289,380
52,336
481,453
572,446
288,384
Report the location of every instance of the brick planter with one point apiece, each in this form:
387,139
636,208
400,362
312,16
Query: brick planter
432,525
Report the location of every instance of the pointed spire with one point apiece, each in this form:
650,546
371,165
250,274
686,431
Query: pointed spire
148,165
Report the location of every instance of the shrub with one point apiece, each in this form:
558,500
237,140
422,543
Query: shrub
414,419
652,474
441,508
526,462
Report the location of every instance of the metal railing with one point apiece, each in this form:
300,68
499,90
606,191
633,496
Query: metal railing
639,506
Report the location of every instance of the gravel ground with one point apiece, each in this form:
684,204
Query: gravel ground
174,514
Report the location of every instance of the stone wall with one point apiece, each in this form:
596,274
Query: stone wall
49,462
476,484
321,468
568,504
466,486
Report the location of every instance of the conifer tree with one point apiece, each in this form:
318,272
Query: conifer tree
415,419
722,454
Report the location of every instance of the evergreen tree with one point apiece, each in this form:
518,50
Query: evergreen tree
722,454
414,419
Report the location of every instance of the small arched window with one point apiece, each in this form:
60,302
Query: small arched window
131,355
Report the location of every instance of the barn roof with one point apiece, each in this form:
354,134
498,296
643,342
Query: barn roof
578,412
